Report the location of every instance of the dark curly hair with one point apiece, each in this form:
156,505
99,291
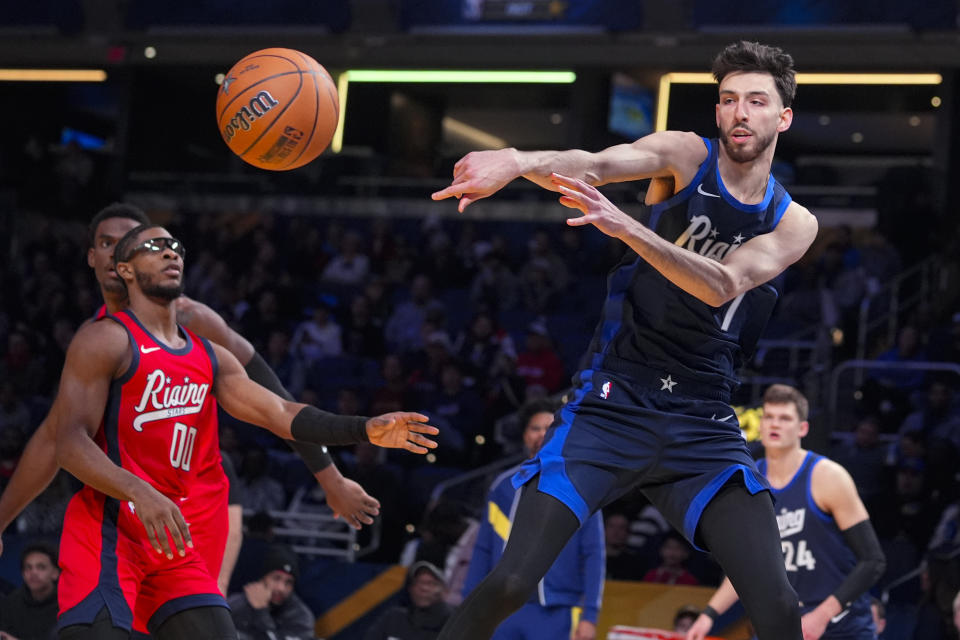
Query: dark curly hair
753,56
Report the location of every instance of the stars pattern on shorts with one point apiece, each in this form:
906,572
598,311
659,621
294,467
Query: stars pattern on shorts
668,384
737,239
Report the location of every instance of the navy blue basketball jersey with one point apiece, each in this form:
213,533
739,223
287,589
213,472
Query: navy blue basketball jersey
814,552
648,320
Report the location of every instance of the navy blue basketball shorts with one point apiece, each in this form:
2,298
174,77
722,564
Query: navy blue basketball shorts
667,438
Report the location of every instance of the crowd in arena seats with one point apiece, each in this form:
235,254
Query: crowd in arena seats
466,321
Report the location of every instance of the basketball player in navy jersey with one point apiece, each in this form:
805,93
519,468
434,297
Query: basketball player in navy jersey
138,427
830,549
651,407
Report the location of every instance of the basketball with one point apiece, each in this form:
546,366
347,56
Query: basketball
277,109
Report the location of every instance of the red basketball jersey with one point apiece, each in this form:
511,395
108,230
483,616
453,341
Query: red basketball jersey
161,420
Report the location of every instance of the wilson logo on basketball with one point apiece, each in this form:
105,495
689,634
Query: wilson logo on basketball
168,401
258,106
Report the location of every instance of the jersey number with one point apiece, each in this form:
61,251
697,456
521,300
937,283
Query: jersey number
181,446
804,557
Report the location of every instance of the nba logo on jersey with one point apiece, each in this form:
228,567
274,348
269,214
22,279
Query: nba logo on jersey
605,390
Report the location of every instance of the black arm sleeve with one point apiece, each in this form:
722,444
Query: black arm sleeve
314,425
313,455
862,540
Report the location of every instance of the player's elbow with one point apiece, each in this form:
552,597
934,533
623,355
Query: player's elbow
725,289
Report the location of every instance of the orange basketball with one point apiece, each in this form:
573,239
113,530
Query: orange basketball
277,109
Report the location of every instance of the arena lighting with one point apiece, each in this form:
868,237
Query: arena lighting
53,75
416,76
667,79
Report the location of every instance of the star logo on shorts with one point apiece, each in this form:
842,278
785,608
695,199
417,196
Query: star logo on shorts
668,384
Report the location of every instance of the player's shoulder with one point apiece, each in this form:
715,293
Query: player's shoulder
101,341
829,476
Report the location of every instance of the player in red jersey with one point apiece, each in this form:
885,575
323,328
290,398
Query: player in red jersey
136,424
38,464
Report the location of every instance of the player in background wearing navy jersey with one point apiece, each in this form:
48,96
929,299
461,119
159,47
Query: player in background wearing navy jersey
651,406
130,385
830,549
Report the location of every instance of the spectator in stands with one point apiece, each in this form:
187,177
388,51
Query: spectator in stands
865,458
480,345
317,338
404,328
538,287
674,553
441,262
261,492
911,512
576,577
394,393
268,608
538,363
43,517
685,617
426,614
20,366
623,563
13,412
349,267
896,385
362,336
289,369
460,405
879,613
30,611
425,380
494,286
937,422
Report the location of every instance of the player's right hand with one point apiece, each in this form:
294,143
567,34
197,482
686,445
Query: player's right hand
480,174
402,430
700,628
159,516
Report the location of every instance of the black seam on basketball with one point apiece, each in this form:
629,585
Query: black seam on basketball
276,75
275,118
316,116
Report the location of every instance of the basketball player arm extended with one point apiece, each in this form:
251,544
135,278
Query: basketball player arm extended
673,154
246,400
836,494
722,599
345,497
755,262
100,353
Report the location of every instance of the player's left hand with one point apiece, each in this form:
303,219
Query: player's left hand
350,502
402,430
596,209
814,625
586,630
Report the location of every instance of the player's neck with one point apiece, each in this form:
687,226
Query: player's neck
782,464
158,316
746,181
113,301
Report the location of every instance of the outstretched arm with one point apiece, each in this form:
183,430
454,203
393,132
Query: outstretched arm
724,598
757,261
99,353
246,400
480,174
347,498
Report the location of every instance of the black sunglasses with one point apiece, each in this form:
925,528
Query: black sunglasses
157,244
